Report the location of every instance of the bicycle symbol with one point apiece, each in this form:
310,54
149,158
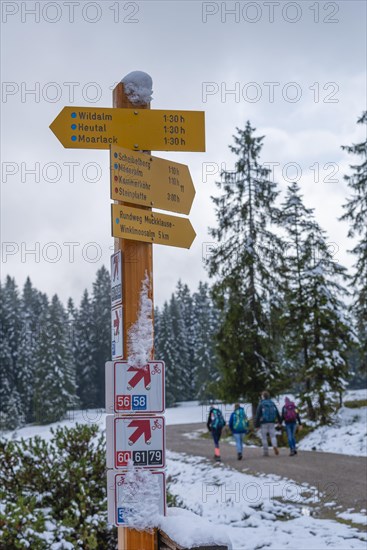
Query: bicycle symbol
156,369
156,425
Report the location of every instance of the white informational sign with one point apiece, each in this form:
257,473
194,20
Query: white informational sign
134,389
117,343
137,438
116,278
125,496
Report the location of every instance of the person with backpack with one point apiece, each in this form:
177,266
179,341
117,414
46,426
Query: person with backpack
238,424
215,425
290,415
266,416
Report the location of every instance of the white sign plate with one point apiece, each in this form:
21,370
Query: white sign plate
116,278
134,389
124,497
117,343
137,438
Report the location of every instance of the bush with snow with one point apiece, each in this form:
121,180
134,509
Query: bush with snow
53,492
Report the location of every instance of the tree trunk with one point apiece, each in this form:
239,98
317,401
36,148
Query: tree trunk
254,408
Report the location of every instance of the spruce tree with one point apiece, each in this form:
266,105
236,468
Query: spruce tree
12,322
11,409
101,345
186,305
165,350
205,326
179,350
55,389
317,333
86,368
11,404
246,263
31,312
356,214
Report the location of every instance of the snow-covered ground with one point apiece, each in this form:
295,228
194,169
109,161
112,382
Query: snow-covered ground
246,511
347,436
253,511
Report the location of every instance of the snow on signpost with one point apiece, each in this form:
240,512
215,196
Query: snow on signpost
135,435
136,499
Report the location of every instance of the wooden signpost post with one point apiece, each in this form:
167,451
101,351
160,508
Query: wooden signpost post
139,181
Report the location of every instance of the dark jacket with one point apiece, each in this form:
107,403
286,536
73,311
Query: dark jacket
259,413
298,418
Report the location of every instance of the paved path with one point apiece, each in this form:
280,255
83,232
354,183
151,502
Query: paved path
342,478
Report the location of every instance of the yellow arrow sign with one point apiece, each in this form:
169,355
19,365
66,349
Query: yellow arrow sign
137,224
142,179
136,129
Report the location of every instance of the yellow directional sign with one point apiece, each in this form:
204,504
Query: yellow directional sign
137,224
136,129
142,179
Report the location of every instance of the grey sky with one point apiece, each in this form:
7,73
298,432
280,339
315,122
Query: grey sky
321,62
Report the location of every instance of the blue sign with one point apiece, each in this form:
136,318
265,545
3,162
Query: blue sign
139,402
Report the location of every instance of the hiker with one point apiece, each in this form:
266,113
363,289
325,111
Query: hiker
266,416
215,425
290,415
238,424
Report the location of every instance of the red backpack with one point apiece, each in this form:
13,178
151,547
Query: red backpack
290,412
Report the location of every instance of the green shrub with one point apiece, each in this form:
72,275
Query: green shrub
55,491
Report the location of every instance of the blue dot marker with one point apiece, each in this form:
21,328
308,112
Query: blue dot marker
117,220
73,138
73,115
116,165
73,126
115,155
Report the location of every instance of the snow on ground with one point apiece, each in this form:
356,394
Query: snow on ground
254,512
258,512
354,517
348,434
355,395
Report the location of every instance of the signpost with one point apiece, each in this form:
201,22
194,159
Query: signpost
138,438
117,341
136,129
151,227
134,389
116,279
139,178
124,500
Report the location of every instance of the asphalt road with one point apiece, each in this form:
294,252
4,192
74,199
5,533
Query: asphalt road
340,478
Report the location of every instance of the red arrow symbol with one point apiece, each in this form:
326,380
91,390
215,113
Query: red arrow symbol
143,372
142,427
116,324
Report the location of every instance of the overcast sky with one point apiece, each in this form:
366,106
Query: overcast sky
296,70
